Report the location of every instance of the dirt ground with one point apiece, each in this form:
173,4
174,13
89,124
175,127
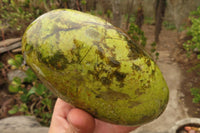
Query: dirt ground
169,40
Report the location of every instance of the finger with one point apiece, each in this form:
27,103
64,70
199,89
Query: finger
62,108
59,121
81,120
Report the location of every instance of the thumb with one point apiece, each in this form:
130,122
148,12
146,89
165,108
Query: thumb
80,121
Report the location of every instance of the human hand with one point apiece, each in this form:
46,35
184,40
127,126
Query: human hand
68,119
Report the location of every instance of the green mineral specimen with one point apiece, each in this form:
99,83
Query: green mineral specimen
95,66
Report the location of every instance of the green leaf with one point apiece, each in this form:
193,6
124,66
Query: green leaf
19,59
16,81
31,91
31,77
48,115
196,99
83,2
5,1
14,110
198,56
23,108
157,54
40,89
20,10
12,62
1,65
48,102
24,98
13,88
195,91
153,50
153,44
15,85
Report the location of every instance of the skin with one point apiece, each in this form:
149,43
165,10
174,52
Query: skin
68,119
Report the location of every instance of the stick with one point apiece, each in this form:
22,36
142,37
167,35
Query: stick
10,47
9,42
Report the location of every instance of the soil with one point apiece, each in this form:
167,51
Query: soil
170,40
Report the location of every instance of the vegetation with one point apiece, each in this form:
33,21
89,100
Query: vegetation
193,47
138,36
13,14
196,93
16,15
35,99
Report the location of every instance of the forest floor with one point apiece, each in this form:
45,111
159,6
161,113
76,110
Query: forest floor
170,45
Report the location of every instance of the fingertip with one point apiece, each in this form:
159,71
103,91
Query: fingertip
81,120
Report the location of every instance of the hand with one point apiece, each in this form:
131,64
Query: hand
68,119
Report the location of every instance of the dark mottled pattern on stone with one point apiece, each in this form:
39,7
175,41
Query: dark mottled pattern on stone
105,81
139,92
113,62
120,76
92,33
133,104
136,67
57,29
57,61
112,95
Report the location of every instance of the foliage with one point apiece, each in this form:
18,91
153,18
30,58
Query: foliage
109,14
196,67
138,36
194,44
16,62
196,93
196,13
83,2
13,15
132,18
35,98
17,15
153,50
1,65
100,13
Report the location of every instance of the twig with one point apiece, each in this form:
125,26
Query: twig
11,47
17,50
8,42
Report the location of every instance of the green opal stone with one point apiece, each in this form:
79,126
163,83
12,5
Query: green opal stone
95,66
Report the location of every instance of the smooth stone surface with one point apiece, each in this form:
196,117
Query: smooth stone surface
21,124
